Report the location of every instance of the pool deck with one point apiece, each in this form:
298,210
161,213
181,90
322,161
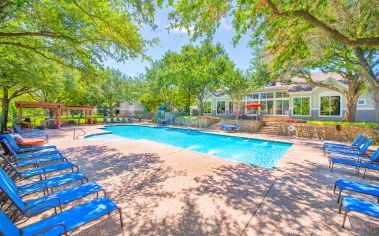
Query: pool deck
165,190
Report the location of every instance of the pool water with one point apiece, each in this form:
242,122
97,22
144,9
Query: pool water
258,152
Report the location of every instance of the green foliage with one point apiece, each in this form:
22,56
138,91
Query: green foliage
373,124
77,33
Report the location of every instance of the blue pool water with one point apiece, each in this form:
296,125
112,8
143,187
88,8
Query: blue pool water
254,151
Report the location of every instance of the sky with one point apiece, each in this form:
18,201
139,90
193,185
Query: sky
175,39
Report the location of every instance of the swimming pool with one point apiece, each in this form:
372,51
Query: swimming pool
247,150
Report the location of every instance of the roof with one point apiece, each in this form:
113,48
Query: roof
318,77
47,105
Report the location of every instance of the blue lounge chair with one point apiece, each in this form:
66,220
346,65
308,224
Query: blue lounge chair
361,206
354,146
46,184
226,127
34,206
331,144
22,160
123,120
40,171
360,158
63,222
361,151
21,156
31,133
31,149
367,189
118,120
369,164
112,120
105,120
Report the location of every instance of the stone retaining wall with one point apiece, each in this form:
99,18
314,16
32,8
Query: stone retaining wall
327,132
195,122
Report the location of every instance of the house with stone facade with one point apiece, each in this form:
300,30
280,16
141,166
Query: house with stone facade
294,101
130,108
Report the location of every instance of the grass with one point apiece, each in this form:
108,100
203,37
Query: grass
344,123
38,119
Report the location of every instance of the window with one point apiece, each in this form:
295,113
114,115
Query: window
281,107
255,95
262,95
231,107
301,106
207,107
330,106
220,107
281,95
361,102
270,95
248,97
267,107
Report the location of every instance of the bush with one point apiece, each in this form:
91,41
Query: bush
343,123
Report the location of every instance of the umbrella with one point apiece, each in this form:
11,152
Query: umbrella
253,105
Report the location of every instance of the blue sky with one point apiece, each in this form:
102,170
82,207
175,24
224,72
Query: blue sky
174,40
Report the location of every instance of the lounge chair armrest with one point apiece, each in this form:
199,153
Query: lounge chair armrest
51,227
45,200
32,149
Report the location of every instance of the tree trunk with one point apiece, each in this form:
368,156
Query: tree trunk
200,106
51,113
189,103
351,106
4,110
375,99
111,110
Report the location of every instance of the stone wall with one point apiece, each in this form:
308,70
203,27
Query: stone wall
198,122
327,132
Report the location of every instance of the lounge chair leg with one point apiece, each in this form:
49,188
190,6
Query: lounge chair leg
335,187
121,221
364,173
340,207
344,219
339,196
331,170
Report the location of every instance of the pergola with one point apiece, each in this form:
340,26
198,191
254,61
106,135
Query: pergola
57,107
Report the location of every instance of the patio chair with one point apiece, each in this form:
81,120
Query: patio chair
105,120
361,206
63,222
354,146
45,184
32,207
30,133
118,120
367,189
225,127
30,149
123,120
40,171
359,158
360,151
22,160
369,164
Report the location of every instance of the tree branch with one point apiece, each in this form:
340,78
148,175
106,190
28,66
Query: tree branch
38,34
369,42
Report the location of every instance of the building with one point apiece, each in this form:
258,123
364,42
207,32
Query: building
130,108
294,101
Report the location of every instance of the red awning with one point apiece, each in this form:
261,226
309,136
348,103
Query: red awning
253,105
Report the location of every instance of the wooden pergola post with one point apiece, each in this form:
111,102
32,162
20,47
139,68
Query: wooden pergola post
91,121
20,113
59,111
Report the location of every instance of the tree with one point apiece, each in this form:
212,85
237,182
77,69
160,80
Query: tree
199,69
15,67
76,33
289,26
113,89
336,59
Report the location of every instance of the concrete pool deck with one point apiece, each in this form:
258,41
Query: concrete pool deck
165,190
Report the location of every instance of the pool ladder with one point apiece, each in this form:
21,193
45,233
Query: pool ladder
77,136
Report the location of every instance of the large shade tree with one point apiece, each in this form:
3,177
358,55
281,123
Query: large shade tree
76,33
284,25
